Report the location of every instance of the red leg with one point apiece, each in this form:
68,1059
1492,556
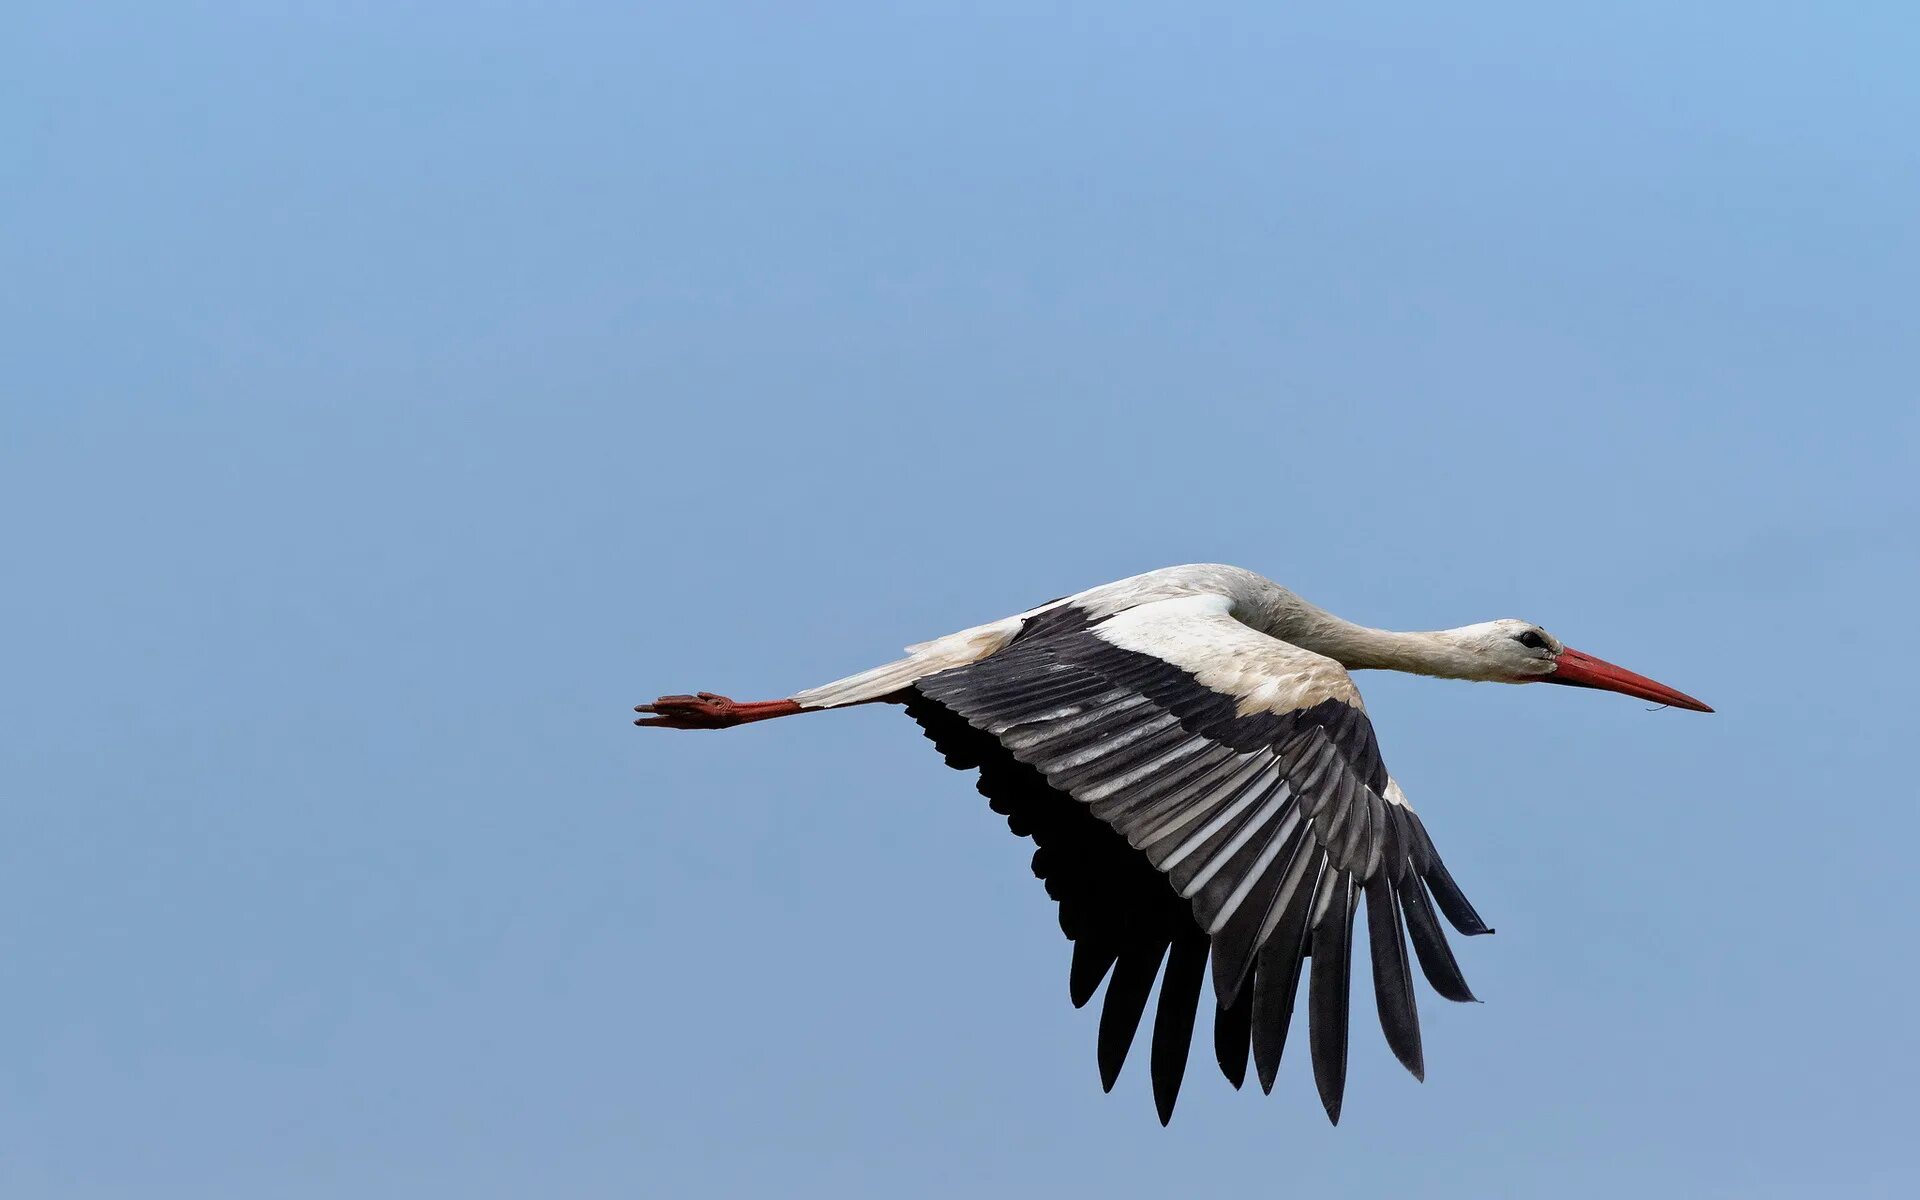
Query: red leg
708,711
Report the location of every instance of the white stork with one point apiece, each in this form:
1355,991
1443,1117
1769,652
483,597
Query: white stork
1195,765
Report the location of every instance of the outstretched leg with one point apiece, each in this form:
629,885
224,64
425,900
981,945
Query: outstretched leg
708,711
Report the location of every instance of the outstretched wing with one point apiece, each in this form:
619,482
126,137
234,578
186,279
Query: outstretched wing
1199,790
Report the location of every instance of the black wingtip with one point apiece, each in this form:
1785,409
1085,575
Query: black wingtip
1393,976
1327,994
1232,1038
1110,1064
1430,945
1173,1023
1331,1097
1112,1054
1127,990
1415,1064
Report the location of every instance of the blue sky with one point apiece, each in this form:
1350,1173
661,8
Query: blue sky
397,393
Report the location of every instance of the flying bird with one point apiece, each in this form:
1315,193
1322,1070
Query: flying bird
1193,761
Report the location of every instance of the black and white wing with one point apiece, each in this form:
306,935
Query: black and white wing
1201,792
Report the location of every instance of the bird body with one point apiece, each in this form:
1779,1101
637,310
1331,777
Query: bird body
1192,758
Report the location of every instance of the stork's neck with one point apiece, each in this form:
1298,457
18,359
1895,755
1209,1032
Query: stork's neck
1360,648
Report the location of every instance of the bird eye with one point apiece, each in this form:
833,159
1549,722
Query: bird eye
1531,639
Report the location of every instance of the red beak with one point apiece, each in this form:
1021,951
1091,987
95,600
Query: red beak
1584,670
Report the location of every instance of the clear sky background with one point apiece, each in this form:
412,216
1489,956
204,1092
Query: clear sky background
394,394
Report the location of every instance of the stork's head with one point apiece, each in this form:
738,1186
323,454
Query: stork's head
1511,651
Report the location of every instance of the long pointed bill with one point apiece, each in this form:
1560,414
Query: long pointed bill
1584,670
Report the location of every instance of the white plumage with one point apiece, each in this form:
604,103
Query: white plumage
1192,757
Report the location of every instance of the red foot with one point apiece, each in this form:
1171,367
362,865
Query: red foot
708,711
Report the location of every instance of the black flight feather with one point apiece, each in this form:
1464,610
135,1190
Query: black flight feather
1127,992
1232,1033
1392,980
1327,996
1430,943
1173,1022
1277,975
